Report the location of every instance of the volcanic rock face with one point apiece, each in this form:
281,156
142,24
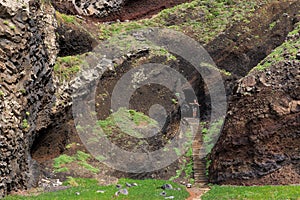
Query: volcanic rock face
26,90
96,8
260,141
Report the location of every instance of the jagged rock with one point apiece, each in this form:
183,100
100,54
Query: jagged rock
27,51
260,141
96,8
11,8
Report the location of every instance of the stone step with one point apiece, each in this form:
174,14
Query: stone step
198,153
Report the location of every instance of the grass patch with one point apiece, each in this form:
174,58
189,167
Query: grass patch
65,18
146,189
128,121
61,162
253,193
67,67
291,48
201,19
214,17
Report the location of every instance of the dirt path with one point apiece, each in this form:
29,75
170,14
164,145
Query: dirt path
196,192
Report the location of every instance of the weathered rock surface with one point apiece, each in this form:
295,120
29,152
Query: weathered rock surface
27,51
260,141
96,8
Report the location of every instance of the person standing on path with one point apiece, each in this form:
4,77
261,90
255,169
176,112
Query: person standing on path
195,106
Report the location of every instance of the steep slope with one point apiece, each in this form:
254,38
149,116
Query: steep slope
27,51
260,141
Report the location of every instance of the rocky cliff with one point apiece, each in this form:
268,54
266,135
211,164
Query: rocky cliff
260,141
27,53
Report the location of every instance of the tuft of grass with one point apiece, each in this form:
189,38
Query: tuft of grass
252,192
67,67
272,25
81,156
65,18
89,167
61,161
5,22
25,124
163,52
12,27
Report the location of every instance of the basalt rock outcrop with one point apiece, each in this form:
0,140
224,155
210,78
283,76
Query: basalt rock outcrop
260,141
95,8
27,53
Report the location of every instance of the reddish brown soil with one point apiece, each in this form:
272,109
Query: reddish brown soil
132,10
138,9
196,193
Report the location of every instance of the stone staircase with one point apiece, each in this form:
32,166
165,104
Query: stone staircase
198,154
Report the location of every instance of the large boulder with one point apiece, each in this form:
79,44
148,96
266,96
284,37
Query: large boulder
27,53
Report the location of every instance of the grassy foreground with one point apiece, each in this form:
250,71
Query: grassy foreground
253,193
90,190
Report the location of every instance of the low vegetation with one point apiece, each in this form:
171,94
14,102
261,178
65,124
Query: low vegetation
67,67
253,193
202,20
90,189
128,121
65,18
290,48
80,158
210,136
186,169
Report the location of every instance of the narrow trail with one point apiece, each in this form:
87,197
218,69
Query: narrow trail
197,192
200,177
198,154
